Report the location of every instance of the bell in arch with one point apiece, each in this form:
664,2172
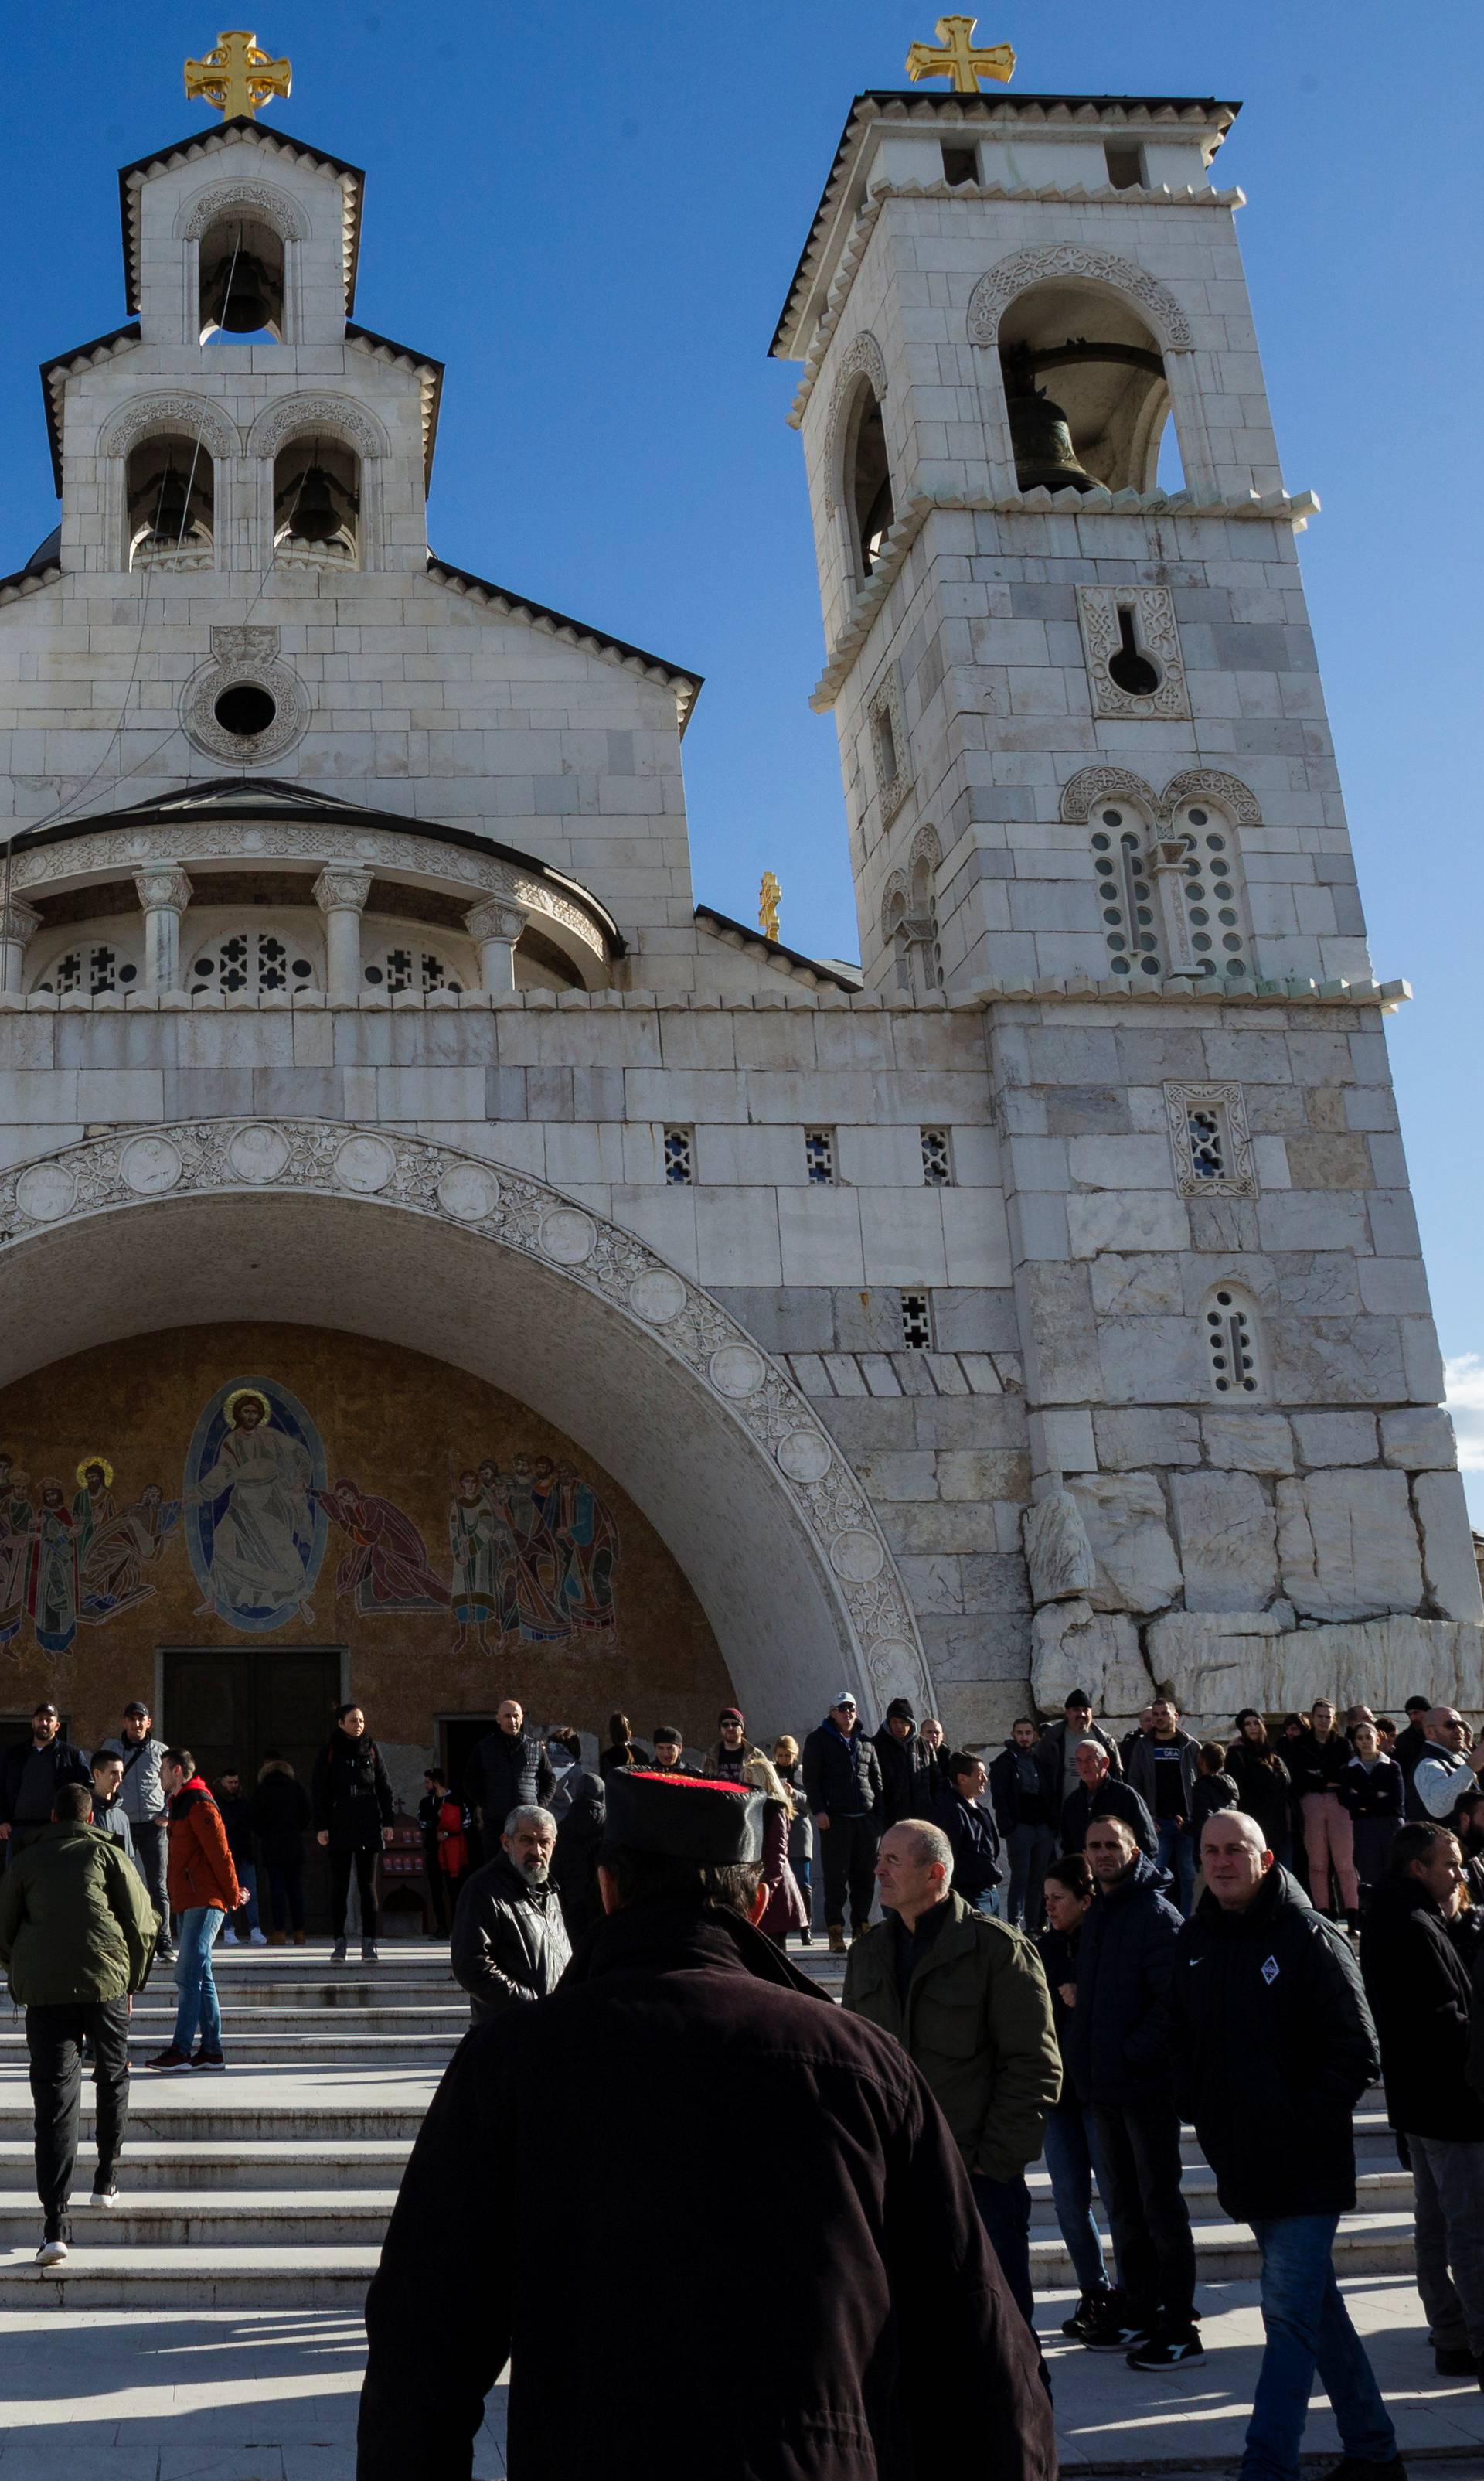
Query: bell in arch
241,297
319,508
173,521
1044,457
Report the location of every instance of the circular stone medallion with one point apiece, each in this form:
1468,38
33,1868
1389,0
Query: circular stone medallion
657,1296
151,1165
467,1191
46,1192
364,1164
804,1455
894,1668
568,1236
737,1370
857,1555
259,1153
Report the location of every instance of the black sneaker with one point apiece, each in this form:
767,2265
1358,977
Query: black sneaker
1354,2468
337,1951
1116,2328
208,2059
1177,2348
1082,2325
1454,2360
171,2062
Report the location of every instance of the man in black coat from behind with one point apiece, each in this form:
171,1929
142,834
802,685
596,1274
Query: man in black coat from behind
509,1769
1274,2046
1417,1959
680,2032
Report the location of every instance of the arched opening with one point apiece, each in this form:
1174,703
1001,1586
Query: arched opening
369,1232
1214,896
169,487
867,481
241,283
1086,389
316,503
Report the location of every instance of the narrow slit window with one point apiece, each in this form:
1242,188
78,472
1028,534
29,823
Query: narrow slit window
1125,896
820,1157
917,1321
937,1160
679,1170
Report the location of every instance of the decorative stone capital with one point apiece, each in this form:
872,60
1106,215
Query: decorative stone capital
162,888
495,920
18,923
342,891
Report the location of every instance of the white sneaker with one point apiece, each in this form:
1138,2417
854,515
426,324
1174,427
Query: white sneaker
259,1938
51,2253
108,2196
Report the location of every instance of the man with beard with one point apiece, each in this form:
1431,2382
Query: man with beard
509,1946
676,2026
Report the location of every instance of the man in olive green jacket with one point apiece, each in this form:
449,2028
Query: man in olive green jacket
77,1938
967,1998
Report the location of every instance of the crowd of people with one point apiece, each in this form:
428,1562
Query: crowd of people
1081,1945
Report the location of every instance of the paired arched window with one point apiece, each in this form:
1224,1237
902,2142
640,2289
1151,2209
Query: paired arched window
909,920
1173,901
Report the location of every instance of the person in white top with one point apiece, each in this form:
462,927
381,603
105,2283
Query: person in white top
1447,1767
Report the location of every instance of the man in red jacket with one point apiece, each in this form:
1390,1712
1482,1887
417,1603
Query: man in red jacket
203,1890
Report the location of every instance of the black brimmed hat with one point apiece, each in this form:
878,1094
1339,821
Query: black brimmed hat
690,1819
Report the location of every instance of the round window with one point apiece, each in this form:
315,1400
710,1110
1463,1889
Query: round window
244,710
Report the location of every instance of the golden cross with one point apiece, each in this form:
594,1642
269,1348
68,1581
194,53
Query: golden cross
237,76
769,897
958,60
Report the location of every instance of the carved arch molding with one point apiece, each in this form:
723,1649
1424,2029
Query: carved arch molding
339,415
150,415
862,359
413,1175
274,208
994,293
1094,784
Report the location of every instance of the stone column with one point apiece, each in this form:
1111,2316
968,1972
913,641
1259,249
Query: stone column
18,927
341,896
496,926
163,891
1167,859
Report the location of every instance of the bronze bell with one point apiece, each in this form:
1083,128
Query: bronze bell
239,295
1044,454
319,510
173,521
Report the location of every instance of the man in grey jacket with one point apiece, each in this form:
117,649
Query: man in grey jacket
510,1945
141,1797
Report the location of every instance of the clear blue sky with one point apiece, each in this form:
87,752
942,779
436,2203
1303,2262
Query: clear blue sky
592,213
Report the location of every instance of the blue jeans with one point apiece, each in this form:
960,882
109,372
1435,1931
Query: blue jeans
987,1902
1307,2327
1177,1854
197,1933
1004,2210
1068,2161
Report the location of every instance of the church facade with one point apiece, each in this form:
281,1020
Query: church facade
441,1259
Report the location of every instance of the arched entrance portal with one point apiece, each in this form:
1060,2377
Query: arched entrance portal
399,1239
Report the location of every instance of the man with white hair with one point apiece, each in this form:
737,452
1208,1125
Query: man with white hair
967,1998
1274,2046
510,1945
1447,1767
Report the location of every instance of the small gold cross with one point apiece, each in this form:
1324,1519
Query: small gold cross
769,897
958,60
237,77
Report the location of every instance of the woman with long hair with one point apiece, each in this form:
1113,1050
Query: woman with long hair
352,1817
791,1774
622,1750
1265,1787
1320,1758
785,1907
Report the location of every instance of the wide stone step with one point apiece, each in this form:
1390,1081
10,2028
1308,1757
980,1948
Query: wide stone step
246,1995
190,2120
221,2277
152,2166
237,2218
1376,2191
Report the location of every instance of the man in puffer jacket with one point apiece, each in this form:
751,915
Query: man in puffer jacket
77,1938
843,1782
203,1890
1121,2067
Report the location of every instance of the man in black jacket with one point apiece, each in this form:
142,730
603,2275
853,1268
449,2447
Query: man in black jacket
510,1945
1412,1744
843,1785
1060,1741
908,1771
1023,1787
1101,1793
1120,2065
32,1773
509,1769
968,1820
1420,1984
676,2025
1274,2047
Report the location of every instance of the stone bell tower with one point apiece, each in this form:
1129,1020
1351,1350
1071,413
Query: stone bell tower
1089,783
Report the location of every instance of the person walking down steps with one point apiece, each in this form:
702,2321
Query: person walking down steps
353,1819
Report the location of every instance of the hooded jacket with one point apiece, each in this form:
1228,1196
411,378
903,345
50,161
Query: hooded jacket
1419,1988
977,2022
77,1927
510,1943
199,1868
1274,2047
678,2029
1123,1961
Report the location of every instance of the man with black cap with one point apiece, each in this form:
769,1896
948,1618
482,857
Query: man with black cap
843,1782
734,1751
908,1772
32,1773
679,2028
671,1751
